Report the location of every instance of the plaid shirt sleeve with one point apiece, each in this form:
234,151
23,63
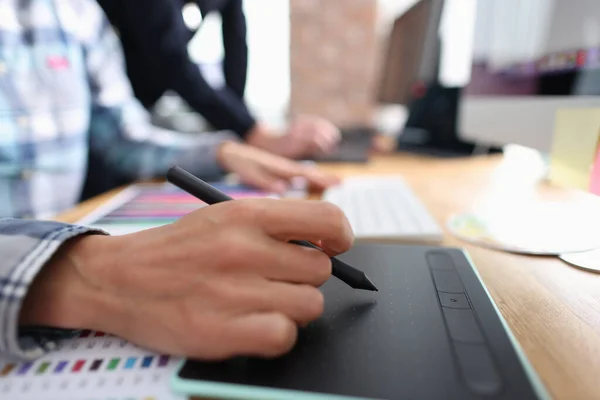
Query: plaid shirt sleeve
121,132
25,247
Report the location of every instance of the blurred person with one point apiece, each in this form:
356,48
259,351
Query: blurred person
220,281
155,40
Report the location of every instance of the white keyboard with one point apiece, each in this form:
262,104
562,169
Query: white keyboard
384,208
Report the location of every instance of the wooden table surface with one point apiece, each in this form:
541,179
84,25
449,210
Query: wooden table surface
552,308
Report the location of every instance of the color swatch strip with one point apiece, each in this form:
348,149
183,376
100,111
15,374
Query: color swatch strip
60,367
7,369
76,366
164,204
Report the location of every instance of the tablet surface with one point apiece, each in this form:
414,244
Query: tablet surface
431,332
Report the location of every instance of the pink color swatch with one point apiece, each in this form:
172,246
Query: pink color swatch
595,176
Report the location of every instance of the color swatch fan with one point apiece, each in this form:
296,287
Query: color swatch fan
142,207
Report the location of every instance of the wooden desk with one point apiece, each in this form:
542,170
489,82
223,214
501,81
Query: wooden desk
552,308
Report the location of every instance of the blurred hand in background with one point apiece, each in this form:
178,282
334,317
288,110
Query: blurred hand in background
305,136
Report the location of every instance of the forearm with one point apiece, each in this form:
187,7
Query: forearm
58,296
235,64
161,33
222,108
139,150
26,248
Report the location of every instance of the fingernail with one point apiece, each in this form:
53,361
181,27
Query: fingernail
329,249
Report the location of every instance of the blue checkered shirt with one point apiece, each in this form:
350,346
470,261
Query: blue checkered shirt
63,93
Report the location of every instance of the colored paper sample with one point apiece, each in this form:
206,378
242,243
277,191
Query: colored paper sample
574,147
595,176
147,206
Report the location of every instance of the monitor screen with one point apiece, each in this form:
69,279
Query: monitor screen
526,61
536,48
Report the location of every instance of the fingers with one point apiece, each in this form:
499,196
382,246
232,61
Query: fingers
264,317
322,140
301,303
264,179
251,252
267,334
307,220
317,135
317,178
270,172
328,143
275,175
327,136
287,170
287,262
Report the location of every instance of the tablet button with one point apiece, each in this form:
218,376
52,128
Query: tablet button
437,260
462,325
454,300
478,368
447,281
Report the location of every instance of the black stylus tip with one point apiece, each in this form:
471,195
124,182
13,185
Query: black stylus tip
368,284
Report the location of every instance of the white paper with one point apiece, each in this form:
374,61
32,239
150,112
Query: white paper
138,374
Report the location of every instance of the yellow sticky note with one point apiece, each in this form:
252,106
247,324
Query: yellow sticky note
574,147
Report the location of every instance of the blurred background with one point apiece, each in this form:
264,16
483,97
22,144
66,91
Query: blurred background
441,77
305,56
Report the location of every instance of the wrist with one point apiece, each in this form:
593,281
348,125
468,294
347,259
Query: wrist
59,296
262,136
258,131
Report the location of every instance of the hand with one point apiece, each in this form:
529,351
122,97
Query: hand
268,171
314,134
221,282
306,136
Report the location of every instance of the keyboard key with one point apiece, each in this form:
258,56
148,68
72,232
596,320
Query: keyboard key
454,300
462,326
478,369
447,281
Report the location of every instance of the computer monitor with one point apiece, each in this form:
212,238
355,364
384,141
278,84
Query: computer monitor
527,60
411,56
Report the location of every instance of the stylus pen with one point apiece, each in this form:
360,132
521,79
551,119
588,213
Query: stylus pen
210,195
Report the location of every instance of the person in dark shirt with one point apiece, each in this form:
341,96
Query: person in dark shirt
155,39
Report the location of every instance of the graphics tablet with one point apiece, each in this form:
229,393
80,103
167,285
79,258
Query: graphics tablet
431,332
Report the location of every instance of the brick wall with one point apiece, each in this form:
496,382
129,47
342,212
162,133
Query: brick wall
333,57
